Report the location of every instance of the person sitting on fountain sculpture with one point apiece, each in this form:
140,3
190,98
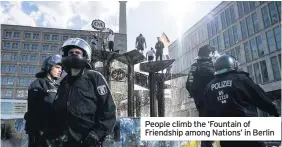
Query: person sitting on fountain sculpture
159,47
140,42
150,54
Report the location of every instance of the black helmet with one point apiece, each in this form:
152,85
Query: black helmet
225,63
47,64
205,51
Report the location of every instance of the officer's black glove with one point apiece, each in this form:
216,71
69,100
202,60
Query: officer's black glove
92,140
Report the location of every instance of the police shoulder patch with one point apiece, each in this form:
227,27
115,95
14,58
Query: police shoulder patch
102,90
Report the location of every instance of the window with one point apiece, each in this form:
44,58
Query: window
34,46
226,39
244,29
35,36
219,43
4,68
55,37
253,48
15,45
209,30
10,81
250,71
256,22
277,34
3,81
47,37
26,46
21,81
54,48
24,69
246,7
223,21
66,37
216,25
270,41
278,3
275,68
24,57
8,93
232,14
250,25
240,9
5,57
231,38
235,33
33,58
27,35
252,5
8,34
264,71
12,68
257,73
6,45
32,70
228,19
45,47
17,35
247,52
273,13
22,93
259,46
265,16
238,54
43,58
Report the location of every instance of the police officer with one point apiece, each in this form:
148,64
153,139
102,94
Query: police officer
201,73
85,110
41,94
233,94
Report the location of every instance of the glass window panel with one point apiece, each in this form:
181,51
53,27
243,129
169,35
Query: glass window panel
253,47
265,16
257,73
277,34
250,25
259,46
273,12
244,29
270,41
264,71
275,68
256,22
247,52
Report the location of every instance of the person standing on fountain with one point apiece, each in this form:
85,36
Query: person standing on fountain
150,54
140,42
159,47
111,41
201,73
85,109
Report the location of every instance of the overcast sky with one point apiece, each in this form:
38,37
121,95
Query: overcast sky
150,18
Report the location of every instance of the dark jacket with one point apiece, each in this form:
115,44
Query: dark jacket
201,73
159,46
85,104
41,95
234,94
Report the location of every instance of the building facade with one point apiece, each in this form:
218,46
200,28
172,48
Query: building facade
24,48
249,31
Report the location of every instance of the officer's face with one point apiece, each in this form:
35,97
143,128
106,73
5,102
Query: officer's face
56,71
75,52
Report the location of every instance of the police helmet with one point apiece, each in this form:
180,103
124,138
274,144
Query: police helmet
47,64
205,51
78,43
224,64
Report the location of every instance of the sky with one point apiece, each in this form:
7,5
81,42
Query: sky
151,18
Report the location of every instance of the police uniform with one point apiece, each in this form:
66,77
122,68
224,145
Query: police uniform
41,94
85,109
234,94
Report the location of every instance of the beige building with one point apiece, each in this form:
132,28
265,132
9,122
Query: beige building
249,31
23,49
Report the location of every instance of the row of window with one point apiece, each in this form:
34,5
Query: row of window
231,36
24,57
9,93
253,48
20,81
9,34
245,7
271,13
227,17
250,25
31,46
23,69
258,71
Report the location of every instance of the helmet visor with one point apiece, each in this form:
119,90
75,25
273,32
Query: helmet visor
55,60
